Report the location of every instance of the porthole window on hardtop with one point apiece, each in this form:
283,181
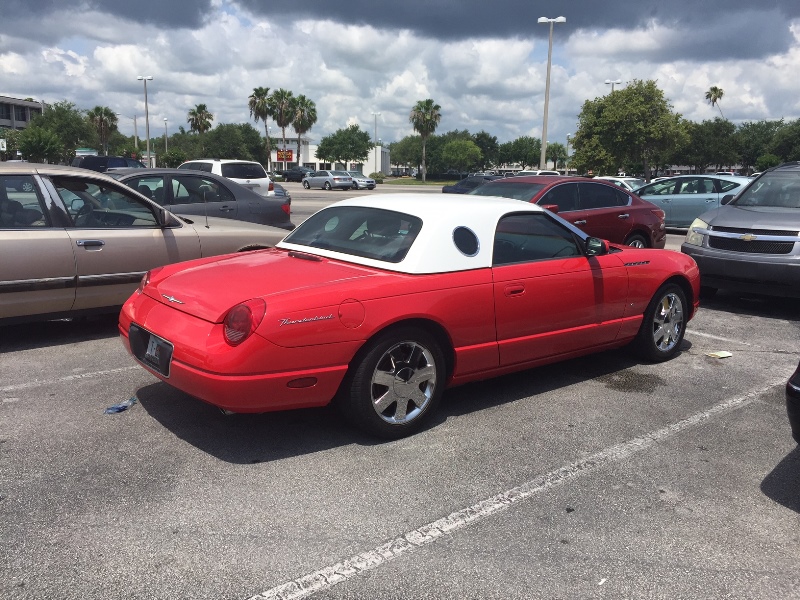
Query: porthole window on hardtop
466,241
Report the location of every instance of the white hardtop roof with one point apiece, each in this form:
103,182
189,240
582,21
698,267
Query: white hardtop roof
433,250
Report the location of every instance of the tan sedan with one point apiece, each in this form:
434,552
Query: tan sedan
76,242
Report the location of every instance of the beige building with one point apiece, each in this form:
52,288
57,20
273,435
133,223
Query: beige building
16,113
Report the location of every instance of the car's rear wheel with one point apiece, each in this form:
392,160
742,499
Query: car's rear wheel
636,241
664,324
306,184
394,384
328,185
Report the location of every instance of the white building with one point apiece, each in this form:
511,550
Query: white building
378,160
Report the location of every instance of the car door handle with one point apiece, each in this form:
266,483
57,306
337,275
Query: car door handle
710,200
583,222
225,208
90,243
515,289
623,216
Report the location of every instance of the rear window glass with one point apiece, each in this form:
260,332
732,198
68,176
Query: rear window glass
509,189
243,171
359,231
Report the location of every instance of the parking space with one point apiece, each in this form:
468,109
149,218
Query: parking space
600,477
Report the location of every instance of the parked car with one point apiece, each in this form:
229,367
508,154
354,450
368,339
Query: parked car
752,242
247,173
363,303
102,163
793,403
599,208
328,180
79,242
685,197
199,193
627,183
296,173
361,181
466,185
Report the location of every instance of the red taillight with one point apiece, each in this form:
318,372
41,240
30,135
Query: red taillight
243,319
146,279
271,187
287,208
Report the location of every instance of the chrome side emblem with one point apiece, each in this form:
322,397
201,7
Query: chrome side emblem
171,299
748,237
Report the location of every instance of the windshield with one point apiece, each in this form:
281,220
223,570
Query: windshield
359,231
509,189
243,171
779,189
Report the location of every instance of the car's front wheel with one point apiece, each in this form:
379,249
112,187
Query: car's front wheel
636,241
395,383
306,184
664,324
327,185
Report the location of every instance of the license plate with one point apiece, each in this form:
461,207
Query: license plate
153,351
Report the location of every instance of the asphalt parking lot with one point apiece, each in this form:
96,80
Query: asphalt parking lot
600,477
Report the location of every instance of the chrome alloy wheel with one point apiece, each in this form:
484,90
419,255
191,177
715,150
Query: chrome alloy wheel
403,382
668,322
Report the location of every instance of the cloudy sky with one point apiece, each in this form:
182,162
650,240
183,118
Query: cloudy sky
483,62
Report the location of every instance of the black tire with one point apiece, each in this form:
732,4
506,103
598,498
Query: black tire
306,185
637,241
664,324
328,185
394,384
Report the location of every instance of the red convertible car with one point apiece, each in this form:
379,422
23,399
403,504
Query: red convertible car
381,303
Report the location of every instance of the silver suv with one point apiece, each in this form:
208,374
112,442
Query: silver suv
247,173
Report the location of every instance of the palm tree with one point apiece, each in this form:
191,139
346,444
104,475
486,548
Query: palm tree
425,116
258,103
281,104
199,119
305,115
105,121
714,95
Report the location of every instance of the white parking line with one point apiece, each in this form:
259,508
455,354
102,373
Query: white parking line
717,337
33,384
371,559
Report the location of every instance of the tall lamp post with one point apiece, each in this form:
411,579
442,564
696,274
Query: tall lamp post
613,82
165,135
135,130
375,140
542,163
145,79
566,160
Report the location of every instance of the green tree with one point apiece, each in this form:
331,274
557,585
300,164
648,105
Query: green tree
557,153
104,121
11,136
766,161
461,154
346,145
633,125
40,145
407,152
259,106
786,143
425,118
525,151
199,119
236,140
67,122
172,158
281,104
754,138
490,149
305,115
713,96
710,143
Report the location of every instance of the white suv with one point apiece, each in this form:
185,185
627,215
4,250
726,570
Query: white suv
247,173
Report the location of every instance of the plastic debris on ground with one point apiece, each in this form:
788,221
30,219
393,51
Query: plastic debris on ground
122,406
720,354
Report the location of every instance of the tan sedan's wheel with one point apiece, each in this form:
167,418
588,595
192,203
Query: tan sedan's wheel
396,383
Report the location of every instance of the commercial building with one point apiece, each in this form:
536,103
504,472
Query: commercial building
16,113
378,160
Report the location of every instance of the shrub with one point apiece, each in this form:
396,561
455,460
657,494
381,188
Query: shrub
378,177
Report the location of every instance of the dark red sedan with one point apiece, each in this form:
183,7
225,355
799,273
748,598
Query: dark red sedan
599,208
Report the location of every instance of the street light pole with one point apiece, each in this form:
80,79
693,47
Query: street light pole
566,160
612,82
375,140
542,164
145,79
165,135
135,130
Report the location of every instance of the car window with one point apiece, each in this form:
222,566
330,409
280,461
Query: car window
696,185
359,231
509,189
594,195
189,189
564,196
659,188
727,186
774,189
243,171
531,237
93,204
20,203
340,173
151,187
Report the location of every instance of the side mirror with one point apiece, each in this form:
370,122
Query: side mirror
595,246
553,208
727,199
